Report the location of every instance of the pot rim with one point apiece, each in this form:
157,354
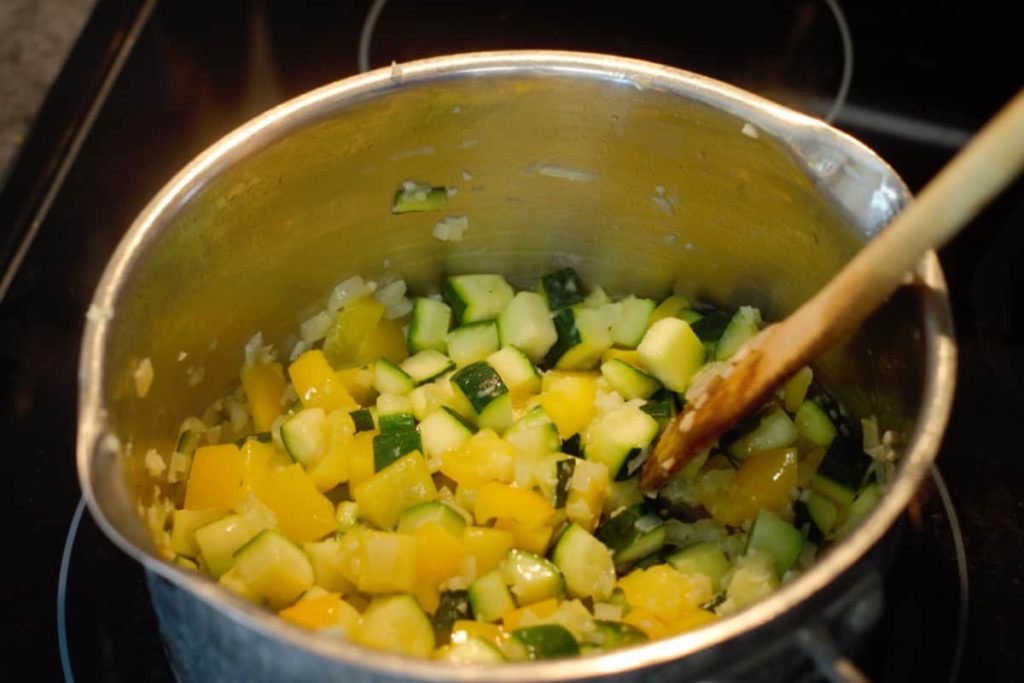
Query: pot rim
940,364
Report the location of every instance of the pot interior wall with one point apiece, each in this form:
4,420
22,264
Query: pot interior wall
640,189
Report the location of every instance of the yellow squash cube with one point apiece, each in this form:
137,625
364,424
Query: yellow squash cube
303,513
317,384
217,478
330,568
400,485
264,385
380,561
274,568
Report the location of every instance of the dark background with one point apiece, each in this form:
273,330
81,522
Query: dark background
926,75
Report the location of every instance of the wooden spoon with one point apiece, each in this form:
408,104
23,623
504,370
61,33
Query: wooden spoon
984,167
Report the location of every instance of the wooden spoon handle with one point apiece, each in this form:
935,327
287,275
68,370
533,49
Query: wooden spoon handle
989,162
985,166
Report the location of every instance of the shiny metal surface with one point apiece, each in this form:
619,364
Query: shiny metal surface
644,178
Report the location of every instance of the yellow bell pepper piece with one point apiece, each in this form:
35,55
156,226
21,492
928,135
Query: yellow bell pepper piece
260,459
217,479
303,513
332,468
400,485
568,399
360,458
666,593
439,555
532,538
487,547
317,384
386,340
495,500
646,621
669,308
264,385
359,382
485,457
350,330
323,611
691,620
463,630
630,356
764,480
529,615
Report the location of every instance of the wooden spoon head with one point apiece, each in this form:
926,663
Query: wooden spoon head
724,401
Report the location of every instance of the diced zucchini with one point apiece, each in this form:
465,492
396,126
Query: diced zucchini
472,343
585,563
632,534
813,424
710,326
489,597
429,326
815,515
426,365
744,325
546,641
219,540
564,469
629,381
398,436
561,288
611,635
398,624
442,431
516,370
672,353
188,441
418,197
384,496
583,336
526,324
183,529
661,406
454,606
389,404
274,568
531,577
431,512
778,538
474,650
573,445
304,435
863,504
347,514
613,436
622,494
476,297
389,378
534,435
774,430
363,420
486,393
707,559
634,317
841,472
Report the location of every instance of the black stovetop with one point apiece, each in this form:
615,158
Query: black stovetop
925,76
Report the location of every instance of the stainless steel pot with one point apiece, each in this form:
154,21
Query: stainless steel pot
644,178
